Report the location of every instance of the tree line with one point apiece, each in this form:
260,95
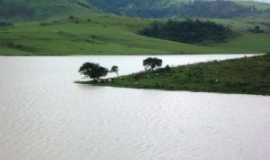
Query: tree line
188,31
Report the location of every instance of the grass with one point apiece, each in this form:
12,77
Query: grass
98,34
246,75
247,42
107,34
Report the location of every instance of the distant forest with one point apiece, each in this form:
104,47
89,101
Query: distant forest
189,31
15,9
217,9
163,8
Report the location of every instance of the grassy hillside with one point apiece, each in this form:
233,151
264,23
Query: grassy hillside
247,42
98,34
105,34
247,75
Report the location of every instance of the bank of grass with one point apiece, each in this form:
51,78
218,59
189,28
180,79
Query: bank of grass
246,75
101,34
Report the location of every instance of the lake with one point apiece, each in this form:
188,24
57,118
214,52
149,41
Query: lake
45,116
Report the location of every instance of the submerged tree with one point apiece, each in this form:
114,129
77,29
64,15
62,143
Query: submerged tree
152,63
93,70
115,69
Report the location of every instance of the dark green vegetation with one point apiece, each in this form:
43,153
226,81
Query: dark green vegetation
93,71
151,63
189,31
246,75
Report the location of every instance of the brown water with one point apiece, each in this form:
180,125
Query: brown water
45,116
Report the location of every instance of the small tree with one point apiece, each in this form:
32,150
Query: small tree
115,69
257,29
93,70
152,63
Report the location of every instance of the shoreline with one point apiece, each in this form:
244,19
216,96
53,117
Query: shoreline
214,76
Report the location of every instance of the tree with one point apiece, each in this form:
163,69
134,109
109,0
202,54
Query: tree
115,69
93,70
256,29
151,63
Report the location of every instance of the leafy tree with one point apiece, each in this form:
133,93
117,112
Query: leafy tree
115,69
93,70
152,63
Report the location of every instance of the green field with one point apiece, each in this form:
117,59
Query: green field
246,75
107,34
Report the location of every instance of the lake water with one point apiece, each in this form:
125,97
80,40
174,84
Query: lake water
45,116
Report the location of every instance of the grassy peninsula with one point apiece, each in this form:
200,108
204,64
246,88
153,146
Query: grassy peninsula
246,75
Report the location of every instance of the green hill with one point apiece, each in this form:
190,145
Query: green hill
33,9
172,8
69,27
107,34
97,34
